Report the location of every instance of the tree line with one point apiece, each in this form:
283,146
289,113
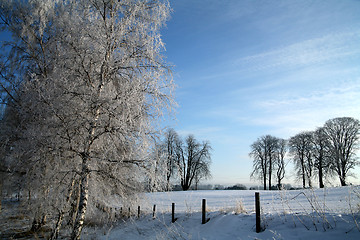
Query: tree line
320,155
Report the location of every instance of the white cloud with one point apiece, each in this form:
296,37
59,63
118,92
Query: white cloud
329,48
289,115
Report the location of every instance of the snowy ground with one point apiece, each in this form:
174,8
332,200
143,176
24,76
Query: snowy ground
331,213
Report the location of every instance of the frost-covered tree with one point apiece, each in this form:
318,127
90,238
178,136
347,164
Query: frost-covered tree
169,145
164,154
88,83
157,169
343,135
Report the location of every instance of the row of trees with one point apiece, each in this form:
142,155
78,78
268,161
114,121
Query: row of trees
84,84
321,154
187,161
268,153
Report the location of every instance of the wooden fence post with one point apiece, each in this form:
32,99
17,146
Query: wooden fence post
204,219
257,210
154,208
173,213
203,211
138,211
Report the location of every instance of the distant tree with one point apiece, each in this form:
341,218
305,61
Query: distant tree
204,187
264,153
300,147
219,187
202,173
281,150
343,135
193,161
322,155
286,186
237,187
259,161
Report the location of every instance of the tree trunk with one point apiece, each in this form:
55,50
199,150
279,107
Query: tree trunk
270,177
321,181
56,230
1,196
303,173
264,181
342,181
185,187
279,184
74,205
304,182
84,194
270,170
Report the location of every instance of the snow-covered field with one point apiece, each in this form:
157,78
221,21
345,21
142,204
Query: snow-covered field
332,213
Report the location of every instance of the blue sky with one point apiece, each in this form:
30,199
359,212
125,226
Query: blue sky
244,69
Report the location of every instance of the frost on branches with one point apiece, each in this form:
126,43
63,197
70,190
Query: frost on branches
84,84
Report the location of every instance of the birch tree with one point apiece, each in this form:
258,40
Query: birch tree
90,84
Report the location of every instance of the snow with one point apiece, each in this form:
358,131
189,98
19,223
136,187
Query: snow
331,213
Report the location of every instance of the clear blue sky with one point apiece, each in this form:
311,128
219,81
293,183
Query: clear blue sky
250,68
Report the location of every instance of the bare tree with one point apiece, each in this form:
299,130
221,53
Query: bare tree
280,165
259,162
193,161
343,135
300,147
321,153
203,173
263,151
88,82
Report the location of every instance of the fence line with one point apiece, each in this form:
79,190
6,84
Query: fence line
204,220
